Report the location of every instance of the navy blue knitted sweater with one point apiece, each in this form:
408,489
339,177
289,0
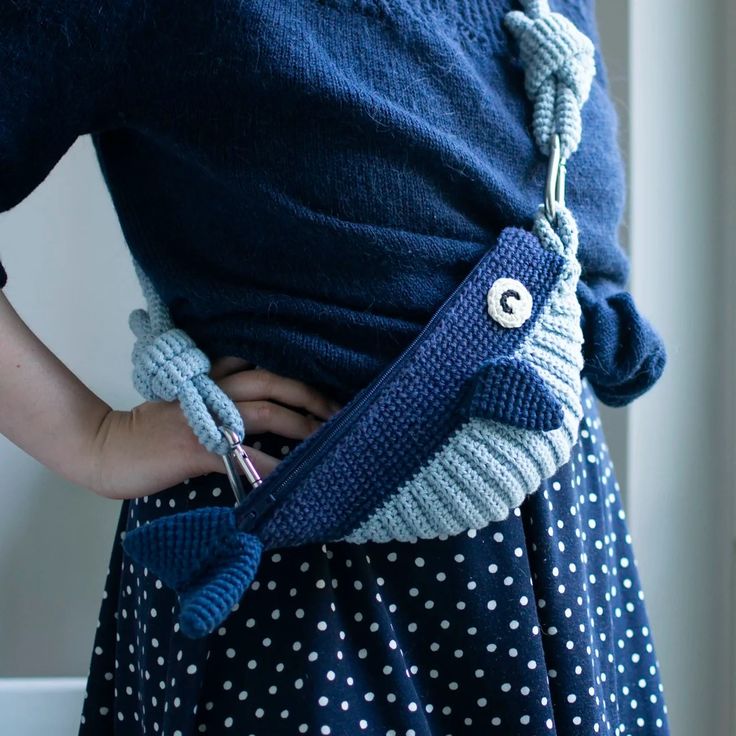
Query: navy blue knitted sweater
305,182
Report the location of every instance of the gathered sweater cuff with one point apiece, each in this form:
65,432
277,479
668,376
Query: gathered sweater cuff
624,355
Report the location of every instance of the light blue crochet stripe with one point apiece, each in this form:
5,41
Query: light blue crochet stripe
486,468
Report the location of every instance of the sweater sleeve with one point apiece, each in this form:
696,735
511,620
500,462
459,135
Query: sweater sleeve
624,355
62,66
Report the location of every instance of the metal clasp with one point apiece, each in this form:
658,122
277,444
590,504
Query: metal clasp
238,457
554,195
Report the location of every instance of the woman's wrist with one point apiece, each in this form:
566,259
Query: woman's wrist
145,450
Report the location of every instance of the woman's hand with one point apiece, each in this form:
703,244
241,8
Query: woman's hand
151,447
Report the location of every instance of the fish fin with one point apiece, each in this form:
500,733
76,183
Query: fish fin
178,547
510,391
210,598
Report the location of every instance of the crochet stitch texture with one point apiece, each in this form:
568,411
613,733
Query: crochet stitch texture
501,454
390,464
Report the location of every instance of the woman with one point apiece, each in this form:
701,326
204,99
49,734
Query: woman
305,185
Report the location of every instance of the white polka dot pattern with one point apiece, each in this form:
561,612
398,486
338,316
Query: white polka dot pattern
532,625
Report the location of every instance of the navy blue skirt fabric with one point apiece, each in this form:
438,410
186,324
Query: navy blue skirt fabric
533,625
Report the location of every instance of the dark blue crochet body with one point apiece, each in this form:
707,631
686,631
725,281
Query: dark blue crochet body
305,183
421,401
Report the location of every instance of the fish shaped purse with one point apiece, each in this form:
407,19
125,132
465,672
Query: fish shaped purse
459,429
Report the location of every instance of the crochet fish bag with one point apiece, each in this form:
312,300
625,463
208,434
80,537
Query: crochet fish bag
468,420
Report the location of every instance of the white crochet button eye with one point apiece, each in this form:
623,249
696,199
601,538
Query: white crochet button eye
509,302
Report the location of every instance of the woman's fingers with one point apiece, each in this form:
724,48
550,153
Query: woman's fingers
265,416
226,365
257,384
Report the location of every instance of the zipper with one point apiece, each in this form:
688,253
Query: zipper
260,500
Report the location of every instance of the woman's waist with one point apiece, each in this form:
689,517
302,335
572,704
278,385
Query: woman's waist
337,361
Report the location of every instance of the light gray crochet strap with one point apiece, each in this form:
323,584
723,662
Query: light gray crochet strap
167,365
559,66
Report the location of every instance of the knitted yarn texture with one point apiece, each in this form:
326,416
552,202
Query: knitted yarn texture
559,68
289,197
167,365
427,449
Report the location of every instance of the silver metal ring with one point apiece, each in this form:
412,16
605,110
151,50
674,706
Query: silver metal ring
554,195
236,457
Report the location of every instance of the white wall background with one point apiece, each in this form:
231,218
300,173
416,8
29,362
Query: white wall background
680,496
71,279
613,27
727,282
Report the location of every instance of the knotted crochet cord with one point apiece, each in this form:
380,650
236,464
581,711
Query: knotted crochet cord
559,68
168,365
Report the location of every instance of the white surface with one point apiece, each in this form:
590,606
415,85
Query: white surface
679,497
71,279
727,326
37,706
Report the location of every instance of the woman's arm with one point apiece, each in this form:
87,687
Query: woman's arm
65,70
44,408
48,412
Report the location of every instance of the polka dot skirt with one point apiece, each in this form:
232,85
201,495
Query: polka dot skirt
532,625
